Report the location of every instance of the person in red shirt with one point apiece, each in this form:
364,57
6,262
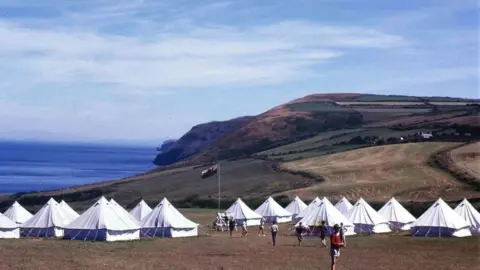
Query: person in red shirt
335,244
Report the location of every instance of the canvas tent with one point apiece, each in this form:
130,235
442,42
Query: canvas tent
240,211
296,206
271,211
166,221
469,214
17,213
141,210
325,211
440,220
308,209
8,228
398,217
72,215
101,222
343,206
366,219
121,211
49,221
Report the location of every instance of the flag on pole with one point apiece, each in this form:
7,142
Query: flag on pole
209,172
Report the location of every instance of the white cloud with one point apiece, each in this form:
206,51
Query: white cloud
201,56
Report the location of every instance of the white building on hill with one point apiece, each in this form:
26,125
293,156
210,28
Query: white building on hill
440,220
49,221
141,210
469,214
166,221
366,219
102,222
397,215
17,213
271,211
296,206
240,212
8,228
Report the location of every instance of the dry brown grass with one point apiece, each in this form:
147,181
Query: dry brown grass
467,158
379,173
214,250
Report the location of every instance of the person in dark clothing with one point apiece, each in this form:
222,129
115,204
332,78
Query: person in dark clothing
231,225
274,231
323,233
299,231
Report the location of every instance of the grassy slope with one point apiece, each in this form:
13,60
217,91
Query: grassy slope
248,177
466,159
378,173
213,250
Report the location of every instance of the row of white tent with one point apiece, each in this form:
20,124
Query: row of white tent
438,220
103,221
108,221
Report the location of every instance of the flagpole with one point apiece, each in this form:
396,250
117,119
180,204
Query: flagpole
218,178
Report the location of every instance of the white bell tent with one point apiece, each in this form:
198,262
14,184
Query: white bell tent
343,206
308,209
240,212
49,221
102,222
470,214
325,211
296,206
366,219
72,215
440,220
166,221
141,210
8,228
271,211
17,213
397,215
121,211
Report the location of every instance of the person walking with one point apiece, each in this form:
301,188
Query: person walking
335,245
342,234
244,228
261,232
323,233
274,231
299,231
231,226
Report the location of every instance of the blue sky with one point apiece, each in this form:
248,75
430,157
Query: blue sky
144,70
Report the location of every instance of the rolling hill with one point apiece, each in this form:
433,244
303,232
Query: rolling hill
318,114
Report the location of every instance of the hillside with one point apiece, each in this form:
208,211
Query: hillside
405,171
378,173
318,114
199,138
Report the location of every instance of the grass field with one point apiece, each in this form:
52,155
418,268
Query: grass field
378,173
466,158
326,143
215,250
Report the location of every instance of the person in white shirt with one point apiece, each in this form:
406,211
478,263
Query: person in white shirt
244,228
274,231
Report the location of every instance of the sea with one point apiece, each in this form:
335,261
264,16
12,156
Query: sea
39,166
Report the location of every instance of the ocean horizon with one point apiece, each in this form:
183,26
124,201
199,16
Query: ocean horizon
27,166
